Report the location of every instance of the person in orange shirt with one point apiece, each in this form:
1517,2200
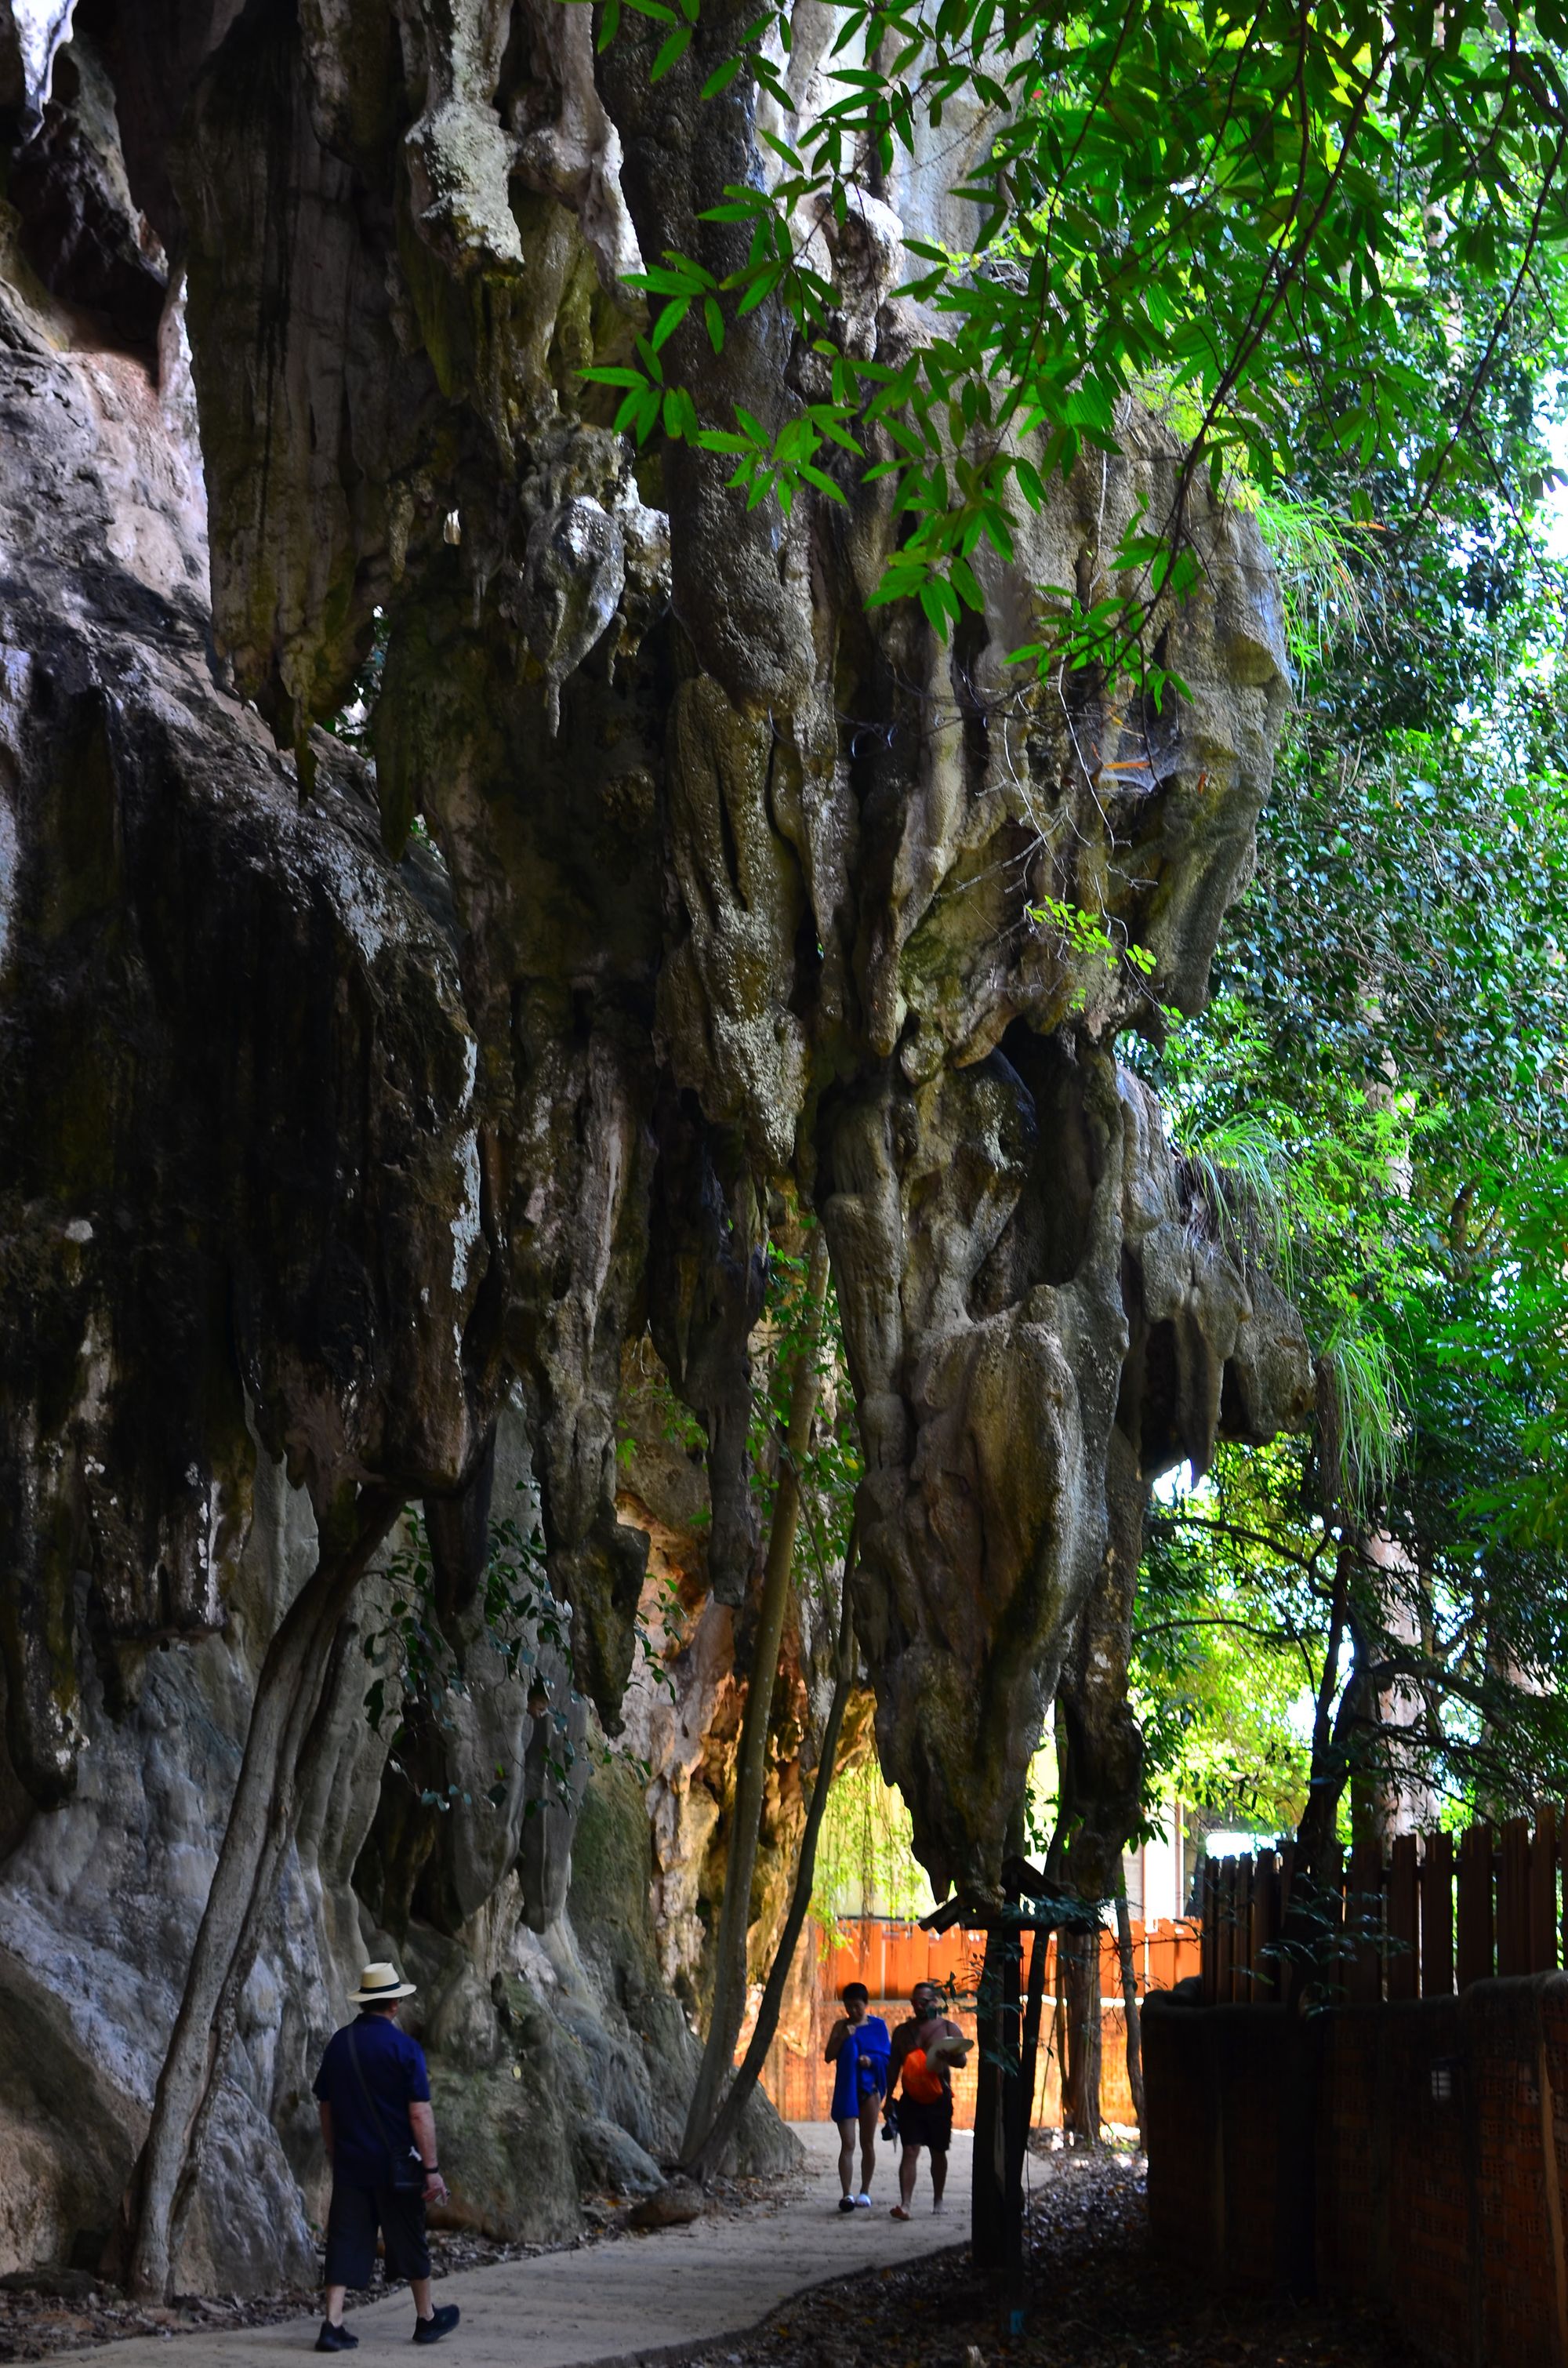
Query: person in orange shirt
924,2050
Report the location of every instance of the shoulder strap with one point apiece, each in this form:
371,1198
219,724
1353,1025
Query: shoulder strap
376,2122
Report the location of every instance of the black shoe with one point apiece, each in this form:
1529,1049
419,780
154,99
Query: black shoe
335,2338
441,2322
846,2204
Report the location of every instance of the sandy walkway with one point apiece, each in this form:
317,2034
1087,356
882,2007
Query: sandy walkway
621,2300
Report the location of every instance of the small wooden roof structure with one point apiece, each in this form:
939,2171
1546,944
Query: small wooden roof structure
1050,1910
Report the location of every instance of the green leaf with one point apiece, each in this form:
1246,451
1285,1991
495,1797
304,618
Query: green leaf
966,585
669,320
936,611
670,51
822,481
717,81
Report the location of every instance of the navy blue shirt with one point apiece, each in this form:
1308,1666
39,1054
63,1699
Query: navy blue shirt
394,2073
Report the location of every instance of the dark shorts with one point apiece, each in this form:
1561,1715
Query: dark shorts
927,2126
351,2222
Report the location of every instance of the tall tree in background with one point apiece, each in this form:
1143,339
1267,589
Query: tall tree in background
1378,1093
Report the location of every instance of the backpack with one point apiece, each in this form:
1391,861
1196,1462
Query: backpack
921,2083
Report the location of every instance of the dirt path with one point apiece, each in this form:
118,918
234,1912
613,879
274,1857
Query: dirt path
621,2300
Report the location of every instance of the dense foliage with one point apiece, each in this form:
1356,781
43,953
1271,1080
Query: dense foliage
1382,1076
1268,212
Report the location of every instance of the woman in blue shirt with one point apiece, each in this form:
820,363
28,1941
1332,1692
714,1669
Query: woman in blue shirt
859,2044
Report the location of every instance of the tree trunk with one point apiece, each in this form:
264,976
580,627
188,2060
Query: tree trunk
751,1767
1059,2032
711,2152
1099,1743
997,2029
1335,1729
282,1727
1080,1956
1390,1795
1100,1765
1130,2006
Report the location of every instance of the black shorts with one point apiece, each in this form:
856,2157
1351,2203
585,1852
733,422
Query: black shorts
927,2126
351,2222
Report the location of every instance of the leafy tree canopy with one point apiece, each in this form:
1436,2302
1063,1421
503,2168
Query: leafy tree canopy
1346,214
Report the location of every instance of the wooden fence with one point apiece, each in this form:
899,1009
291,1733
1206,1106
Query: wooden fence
890,1956
1440,1912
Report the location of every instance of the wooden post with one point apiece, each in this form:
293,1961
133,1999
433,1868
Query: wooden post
1016,2103
1225,1930
1209,1935
1363,1908
1514,1898
1551,2183
1020,2116
1474,1917
988,2204
1404,1934
1437,1917
1033,2013
1059,2030
1265,1926
1331,1975
1241,1927
1543,1893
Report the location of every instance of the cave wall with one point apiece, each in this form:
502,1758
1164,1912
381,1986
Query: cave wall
196,962
463,884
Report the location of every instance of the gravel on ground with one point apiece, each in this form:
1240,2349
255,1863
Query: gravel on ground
1099,2297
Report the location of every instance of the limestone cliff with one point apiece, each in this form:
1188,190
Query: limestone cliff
365,1092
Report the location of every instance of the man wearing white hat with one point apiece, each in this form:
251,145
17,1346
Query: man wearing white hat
379,2135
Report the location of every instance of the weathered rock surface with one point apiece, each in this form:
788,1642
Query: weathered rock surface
194,960
341,1160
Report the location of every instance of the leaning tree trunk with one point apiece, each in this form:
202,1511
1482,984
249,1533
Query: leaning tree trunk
751,1765
262,1891
261,1821
711,2152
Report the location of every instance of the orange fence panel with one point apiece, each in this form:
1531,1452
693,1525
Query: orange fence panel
891,1956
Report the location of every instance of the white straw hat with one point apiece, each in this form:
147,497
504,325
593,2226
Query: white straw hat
378,1986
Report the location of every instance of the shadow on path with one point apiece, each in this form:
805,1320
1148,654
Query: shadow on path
630,2296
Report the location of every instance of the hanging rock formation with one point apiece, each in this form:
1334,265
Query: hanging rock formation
456,875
